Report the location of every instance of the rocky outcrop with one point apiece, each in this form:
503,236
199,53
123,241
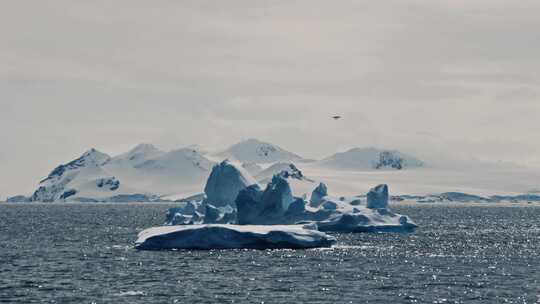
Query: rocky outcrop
111,184
387,159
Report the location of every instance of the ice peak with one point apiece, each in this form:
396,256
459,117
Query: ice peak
53,185
252,141
143,148
94,156
255,151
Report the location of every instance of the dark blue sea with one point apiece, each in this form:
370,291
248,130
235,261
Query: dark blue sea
83,253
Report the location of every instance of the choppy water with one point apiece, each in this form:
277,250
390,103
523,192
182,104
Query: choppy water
83,254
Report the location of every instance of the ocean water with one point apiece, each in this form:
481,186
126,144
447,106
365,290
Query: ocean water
82,253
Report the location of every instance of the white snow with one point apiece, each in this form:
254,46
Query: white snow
138,155
255,151
207,237
485,180
144,170
78,178
370,158
181,173
252,168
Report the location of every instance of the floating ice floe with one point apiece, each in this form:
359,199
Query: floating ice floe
215,236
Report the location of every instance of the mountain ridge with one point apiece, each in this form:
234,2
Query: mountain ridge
147,170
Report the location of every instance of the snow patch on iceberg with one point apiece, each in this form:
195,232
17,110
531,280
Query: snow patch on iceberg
206,237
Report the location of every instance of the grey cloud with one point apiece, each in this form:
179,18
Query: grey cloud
111,74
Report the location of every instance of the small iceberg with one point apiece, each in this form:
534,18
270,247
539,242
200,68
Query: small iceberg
216,236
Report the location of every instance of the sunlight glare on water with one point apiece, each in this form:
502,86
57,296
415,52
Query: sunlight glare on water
82,253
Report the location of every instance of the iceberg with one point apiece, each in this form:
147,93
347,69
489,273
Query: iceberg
224,183
276,205
377,197
190,213
272,218
18,199
218,202
318,194
367,220
264,207
215,236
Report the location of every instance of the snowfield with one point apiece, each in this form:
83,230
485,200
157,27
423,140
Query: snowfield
485,181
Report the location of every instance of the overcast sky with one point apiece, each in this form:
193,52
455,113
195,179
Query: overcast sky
431,77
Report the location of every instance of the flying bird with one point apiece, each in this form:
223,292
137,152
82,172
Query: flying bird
336,117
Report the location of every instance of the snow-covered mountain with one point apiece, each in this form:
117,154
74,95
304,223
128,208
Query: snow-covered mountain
255,151
180,171
143,172
187,161
138,155
147,173
252,168
369,159
83,177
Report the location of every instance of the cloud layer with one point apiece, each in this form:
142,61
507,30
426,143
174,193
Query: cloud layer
427,76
